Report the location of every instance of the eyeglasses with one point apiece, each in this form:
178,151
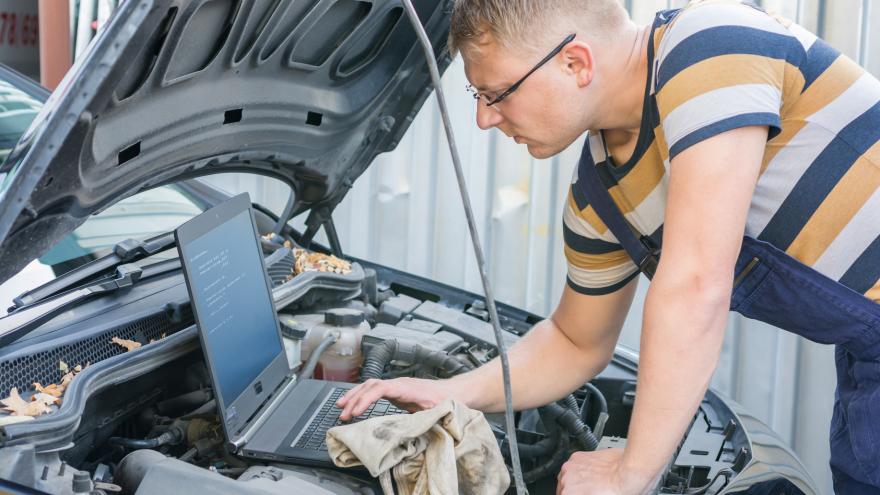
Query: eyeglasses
489,101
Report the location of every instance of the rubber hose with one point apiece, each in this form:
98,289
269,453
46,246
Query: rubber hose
149,443
308,369
381,354
550,465
377,358
593,391
541,448
183,403
571,403
207,409
439,359
545,446
574,426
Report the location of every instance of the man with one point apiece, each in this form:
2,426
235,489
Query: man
717,120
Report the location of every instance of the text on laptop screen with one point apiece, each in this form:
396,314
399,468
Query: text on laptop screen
234,306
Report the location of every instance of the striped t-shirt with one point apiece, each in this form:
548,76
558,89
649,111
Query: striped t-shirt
720,65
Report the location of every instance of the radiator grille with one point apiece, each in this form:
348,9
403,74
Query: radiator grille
42,365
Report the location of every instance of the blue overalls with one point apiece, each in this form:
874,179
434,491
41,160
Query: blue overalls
773,287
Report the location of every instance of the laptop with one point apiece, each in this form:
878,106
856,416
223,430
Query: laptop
266,412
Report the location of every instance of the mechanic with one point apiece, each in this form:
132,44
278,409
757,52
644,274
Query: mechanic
746,147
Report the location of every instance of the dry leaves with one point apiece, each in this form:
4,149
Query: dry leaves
16,406
272,237
65,380
316,262
53,389
129,345
44,397
307,261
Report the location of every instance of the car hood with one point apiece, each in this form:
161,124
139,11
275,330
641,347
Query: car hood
307,91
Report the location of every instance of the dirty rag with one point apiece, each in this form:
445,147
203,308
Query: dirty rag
448,449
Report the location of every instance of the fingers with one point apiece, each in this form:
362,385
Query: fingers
406,393
342,401
559,479
358,399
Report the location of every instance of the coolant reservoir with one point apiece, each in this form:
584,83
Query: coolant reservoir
342,361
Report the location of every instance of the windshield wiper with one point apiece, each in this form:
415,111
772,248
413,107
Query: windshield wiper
127,251
18,324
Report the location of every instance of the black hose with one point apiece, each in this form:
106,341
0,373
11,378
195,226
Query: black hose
169,437
377,358
438,359
308,369
571,403
593,391
182,403
541,448
570,421
381,354
545,446
603,404
549,466
205,410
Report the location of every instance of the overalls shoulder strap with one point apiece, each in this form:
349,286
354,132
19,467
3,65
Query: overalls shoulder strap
640,249
775,288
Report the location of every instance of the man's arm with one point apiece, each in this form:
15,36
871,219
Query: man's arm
557,356
710,189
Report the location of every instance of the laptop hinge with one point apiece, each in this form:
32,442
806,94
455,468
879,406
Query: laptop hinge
248,432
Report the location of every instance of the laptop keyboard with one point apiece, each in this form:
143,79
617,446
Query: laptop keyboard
315,434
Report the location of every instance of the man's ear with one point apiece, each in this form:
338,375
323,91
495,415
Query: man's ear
578,59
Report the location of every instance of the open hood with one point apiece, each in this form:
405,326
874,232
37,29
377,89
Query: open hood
307,91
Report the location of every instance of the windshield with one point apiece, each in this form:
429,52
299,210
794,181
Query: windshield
142,216
139,217
20,101
17,110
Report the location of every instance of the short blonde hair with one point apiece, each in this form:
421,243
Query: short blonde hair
527,24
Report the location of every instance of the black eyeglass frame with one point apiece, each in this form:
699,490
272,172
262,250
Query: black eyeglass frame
476,94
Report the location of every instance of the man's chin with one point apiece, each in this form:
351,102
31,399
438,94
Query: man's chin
541,152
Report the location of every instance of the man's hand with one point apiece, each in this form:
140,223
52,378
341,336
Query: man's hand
412,394
598,473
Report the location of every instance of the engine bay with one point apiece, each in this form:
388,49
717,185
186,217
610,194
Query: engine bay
145,421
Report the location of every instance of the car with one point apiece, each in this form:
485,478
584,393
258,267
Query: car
102,171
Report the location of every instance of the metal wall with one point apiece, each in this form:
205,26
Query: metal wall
405,212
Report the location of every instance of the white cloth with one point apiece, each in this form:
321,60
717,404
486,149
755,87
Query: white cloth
449,449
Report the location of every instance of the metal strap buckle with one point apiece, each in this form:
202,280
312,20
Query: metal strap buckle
649,263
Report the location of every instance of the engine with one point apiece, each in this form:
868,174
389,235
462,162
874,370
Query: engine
147,420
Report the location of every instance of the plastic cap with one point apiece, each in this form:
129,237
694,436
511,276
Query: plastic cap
291,328
342,317
82,482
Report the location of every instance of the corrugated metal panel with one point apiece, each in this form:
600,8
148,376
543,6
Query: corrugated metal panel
405,212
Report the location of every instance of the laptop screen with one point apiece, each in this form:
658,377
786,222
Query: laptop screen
232,301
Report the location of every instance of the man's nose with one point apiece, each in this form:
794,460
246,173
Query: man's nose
487,117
